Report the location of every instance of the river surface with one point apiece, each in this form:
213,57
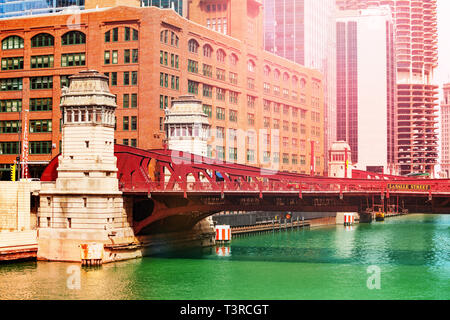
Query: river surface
402,258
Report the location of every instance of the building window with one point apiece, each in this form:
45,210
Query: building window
193,46
134,100
37,126
73,37
207,91
44,61
251,83
134,78
12,126
233,97
9,147
40,147
133,143
232,154
73,59
174,61
12,63
133,123
233,116
115,57
115,34
251,66
41,104
207,109
134,56
107,57
65,81
126,78
233,59
251,119
220,94
233,78
37,83
207,51
127,34
10,84
220,153
164,38
207,70
113,78
126,124
251,101
192,87
125,142
220,113
192,66
11,105
42,40
220,73
250,155
221,56
12,42
220,133
126,101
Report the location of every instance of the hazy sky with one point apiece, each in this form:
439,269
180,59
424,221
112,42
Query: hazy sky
442,74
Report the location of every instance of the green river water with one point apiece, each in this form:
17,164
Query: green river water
411,253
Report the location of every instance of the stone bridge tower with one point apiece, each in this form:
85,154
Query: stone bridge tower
84,205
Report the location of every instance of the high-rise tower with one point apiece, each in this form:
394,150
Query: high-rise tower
304,31
417,95
445,133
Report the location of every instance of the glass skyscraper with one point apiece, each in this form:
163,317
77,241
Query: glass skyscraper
177,5
304,31
14,8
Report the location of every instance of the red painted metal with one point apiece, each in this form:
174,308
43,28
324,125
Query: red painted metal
212,176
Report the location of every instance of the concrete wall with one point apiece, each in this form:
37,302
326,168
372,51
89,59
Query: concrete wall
15,206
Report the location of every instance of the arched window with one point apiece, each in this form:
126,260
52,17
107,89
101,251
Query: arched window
233,59
221,55
266,71
174,39
42,40
294,81
276,74
193,46
285,76
207,51
73,37
251,66
302,83
164,36
131,34
12,42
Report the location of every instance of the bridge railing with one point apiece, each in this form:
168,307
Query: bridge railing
323,185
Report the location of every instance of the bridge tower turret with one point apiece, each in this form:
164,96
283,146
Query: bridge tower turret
84,205
187,126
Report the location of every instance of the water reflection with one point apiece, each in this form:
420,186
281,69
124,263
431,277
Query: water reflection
325,263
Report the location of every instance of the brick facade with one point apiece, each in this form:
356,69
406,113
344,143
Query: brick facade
241,85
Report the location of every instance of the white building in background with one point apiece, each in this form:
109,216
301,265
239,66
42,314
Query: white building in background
304,31
445,133
366,86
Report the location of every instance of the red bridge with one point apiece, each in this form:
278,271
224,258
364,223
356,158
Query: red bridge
172,191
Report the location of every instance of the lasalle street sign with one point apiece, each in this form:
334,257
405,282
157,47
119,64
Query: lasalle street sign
408,187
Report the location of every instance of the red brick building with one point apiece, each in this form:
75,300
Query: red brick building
152,55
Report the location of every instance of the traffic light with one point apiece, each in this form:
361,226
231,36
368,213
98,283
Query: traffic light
13,172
